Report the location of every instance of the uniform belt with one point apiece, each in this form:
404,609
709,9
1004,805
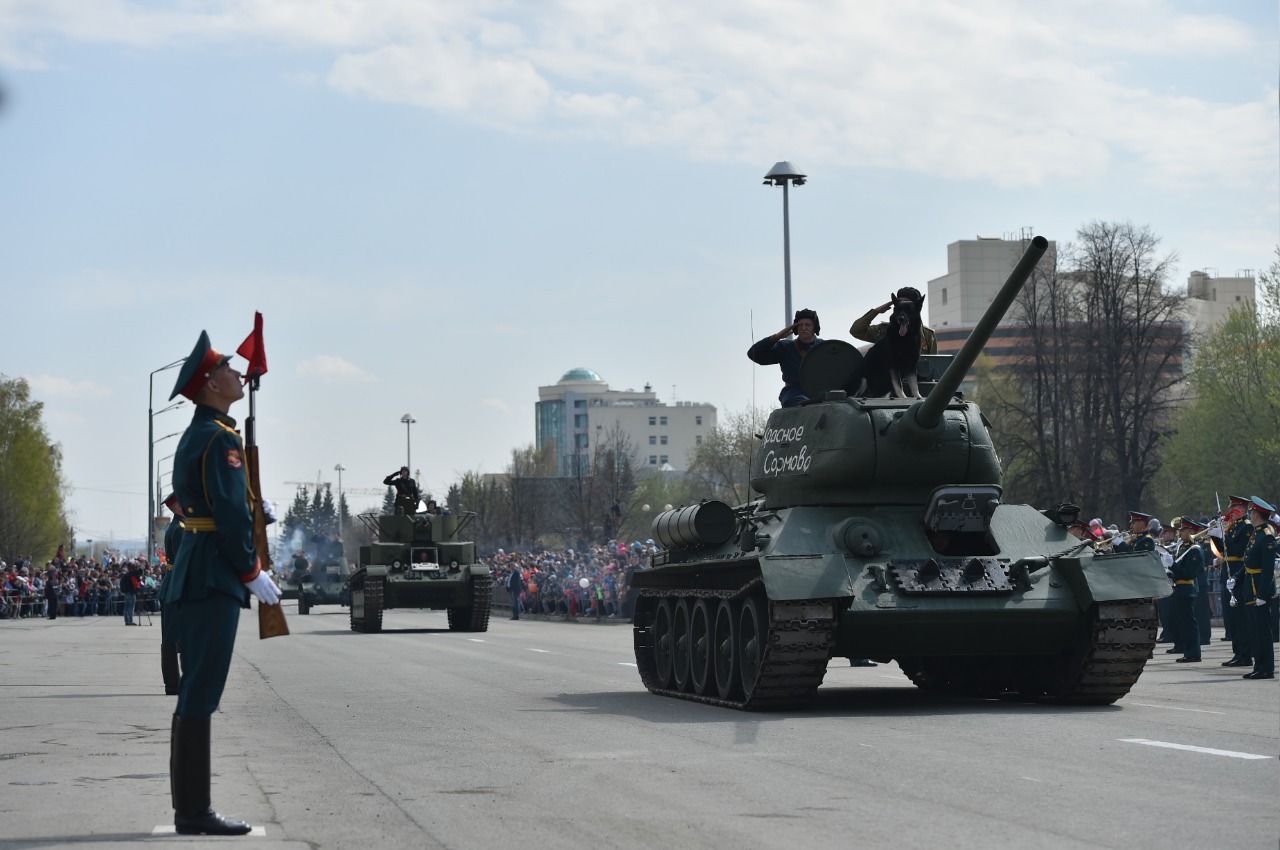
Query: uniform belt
1256,572
1184,581
197,524
1235,557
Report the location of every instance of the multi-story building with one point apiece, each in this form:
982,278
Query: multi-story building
580,410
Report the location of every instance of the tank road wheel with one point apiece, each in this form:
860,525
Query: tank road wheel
751,644
475,617
700,647
662,644
724,655
366,605
680,645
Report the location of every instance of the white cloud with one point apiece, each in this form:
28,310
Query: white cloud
52,386
329,367
1010,92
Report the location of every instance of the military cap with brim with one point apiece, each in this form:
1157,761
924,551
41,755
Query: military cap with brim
1135,516
1260,505
1238,500
1193,524
197,368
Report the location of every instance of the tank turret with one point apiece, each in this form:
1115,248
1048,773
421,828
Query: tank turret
881,534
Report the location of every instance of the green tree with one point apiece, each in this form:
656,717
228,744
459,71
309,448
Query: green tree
32,506
297,521
720,467
1226,439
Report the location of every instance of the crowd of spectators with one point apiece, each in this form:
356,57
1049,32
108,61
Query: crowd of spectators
77,587
593,582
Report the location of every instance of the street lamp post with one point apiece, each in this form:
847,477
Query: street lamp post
407,420
158,488
338,468
151,494
785,174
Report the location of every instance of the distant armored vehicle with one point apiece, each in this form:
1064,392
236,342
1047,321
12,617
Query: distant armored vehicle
325,584
881,534
419,562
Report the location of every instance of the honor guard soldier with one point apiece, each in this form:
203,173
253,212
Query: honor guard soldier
1235,541
1187,568
168,630
215,571
1259,587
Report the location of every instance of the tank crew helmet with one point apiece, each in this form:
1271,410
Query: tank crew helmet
404,469
202,362
1192,525
812,315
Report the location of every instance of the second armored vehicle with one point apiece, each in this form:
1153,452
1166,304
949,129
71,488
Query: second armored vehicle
419,562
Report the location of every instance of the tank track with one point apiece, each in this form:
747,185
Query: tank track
1111,651
794,662
474,618
371,621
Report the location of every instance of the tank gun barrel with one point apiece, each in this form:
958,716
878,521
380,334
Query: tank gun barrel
929,412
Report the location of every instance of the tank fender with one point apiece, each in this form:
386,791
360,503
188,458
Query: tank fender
475,570
377,570
821,576
1135,575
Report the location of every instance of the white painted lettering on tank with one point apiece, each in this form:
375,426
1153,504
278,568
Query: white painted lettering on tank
776,463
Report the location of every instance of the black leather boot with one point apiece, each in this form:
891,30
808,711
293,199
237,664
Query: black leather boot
169,668
189,776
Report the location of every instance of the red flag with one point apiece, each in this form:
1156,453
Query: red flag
254,350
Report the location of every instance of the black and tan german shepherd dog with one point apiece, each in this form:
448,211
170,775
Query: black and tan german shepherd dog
890,364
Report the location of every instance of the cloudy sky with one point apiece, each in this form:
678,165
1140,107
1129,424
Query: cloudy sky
440,205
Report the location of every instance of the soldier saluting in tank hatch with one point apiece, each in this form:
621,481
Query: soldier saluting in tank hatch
407,495
863,329
789,353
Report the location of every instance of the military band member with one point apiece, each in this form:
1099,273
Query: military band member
1260,586
215,571
1188,566
1235,541
1139,539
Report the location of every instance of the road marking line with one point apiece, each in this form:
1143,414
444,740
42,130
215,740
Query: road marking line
169,829
895,678
531,649
1175,708
627,663
1030,779
475,640
1189,748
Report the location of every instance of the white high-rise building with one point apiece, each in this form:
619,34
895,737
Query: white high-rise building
580,410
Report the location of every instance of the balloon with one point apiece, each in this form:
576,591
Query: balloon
584,583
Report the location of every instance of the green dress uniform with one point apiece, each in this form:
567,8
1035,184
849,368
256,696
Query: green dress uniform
169,668
1260,586
216,558
1235,542
206,589
1187,569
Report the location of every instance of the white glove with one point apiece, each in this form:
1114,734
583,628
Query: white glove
1234,603
265,589
1231,584
268,511
1259,602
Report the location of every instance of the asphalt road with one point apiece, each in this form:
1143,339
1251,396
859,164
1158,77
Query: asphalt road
539,734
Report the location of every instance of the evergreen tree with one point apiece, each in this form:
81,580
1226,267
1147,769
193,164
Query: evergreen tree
389,501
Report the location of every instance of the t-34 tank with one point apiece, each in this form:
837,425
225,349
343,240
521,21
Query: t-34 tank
881,534
419,562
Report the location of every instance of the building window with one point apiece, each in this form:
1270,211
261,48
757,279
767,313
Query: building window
697,420
580,420
653,441
944,295
653,460
697,441
662,420
663,459
663,440
579,402
653,420
581,440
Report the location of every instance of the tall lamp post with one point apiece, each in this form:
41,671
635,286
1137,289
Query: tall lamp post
785,174
151,444
407,420
338,468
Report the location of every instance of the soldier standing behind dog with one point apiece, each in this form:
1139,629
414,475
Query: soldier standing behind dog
863,329
789,353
